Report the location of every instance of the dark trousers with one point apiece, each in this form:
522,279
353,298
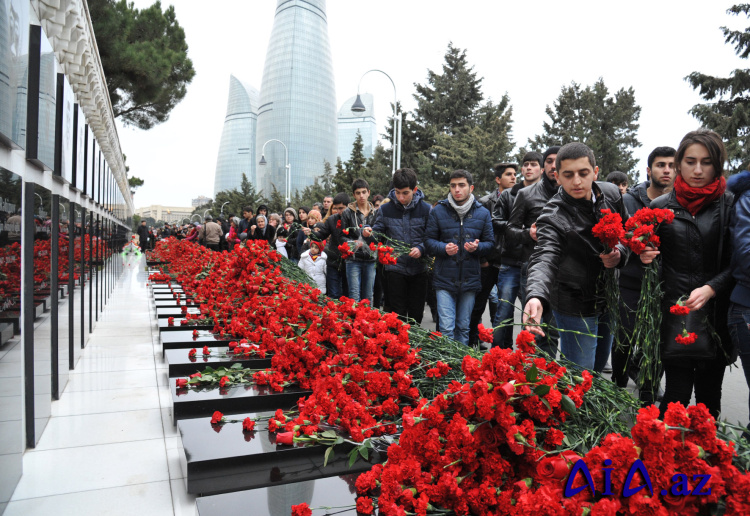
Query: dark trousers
379,292
335,282
623,364
407,294
213,247
489,280
739,329
685,373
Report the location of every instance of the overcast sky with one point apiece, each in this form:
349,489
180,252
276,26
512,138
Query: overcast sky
528,49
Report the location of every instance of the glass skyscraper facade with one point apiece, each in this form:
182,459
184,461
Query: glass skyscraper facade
237,147
297,99
350,122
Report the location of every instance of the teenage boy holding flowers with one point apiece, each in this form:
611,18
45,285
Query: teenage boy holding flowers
566,267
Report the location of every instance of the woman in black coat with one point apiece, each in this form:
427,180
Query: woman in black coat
695,254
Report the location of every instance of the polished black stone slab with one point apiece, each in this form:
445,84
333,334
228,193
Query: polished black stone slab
175,312
223,458
185,340
190,403
6,332
277,499
171,303
151,263
169,295
12,317
164,325
181,365
164,286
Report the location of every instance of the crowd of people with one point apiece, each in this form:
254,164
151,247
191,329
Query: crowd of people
529,244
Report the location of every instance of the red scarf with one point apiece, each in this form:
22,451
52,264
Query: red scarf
694,199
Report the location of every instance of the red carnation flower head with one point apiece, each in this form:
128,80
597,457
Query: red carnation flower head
526,342
218,417
248,425
679,308
686,337
609,229
301,510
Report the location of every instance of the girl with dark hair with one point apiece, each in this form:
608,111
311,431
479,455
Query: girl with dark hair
695,255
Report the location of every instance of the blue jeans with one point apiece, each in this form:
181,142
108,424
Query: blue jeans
508,284
493,300
454,313
334,283
739,329
586,351
361,278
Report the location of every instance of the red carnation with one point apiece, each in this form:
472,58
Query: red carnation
248,425
679,309
206,351
192,353
609,229
301,509
217,418
525,342
224,380
364,505
686,337
170,321
485,334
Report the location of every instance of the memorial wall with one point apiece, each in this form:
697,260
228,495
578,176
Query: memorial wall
65,210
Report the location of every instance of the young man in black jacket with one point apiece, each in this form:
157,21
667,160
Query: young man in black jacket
660,174
360,268
505,178
520,231
566,267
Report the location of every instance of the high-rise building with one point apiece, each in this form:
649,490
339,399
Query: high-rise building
350,122
297,98
237,147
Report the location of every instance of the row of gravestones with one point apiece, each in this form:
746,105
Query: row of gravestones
230,470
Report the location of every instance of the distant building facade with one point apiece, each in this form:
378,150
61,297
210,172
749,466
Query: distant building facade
237,147
297,98
350,122
201,200
166,213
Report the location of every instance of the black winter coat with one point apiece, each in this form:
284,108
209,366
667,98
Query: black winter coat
330,227
526,210
565,268
511,253
695,251
407,224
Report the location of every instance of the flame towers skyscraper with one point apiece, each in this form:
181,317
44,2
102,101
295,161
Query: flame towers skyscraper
297,98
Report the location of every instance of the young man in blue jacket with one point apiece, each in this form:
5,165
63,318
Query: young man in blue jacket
404,218
459,232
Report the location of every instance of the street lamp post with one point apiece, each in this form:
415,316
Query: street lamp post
196,215
222,208
204,214
288,167
359,107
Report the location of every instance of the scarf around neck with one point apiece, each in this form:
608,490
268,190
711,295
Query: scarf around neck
695,199
463,209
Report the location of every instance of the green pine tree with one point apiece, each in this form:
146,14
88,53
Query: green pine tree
144,56
728,109
606,123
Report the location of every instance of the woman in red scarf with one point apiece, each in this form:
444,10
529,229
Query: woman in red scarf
695,254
